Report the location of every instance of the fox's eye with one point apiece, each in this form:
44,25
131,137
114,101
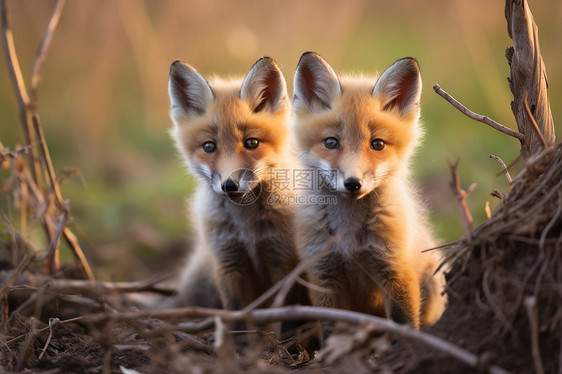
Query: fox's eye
377,144
209,147
331,143
251,143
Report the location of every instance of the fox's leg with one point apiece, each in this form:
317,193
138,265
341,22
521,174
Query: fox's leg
327,296
433,302
280,258
402,297
234,286
235,289
330,277
200,290
234,279
198,285
330,294
306,333
401,281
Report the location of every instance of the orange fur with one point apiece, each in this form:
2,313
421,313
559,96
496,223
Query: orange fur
378,224
228,122
244,237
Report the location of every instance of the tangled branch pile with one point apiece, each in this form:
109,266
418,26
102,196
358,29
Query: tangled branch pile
504,283
514,270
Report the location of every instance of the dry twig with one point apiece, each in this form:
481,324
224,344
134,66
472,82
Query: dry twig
531,308
504,168
43,49
84,287
33,131
477,117
13,154
461,196
498,194
488,210
262,316
48,163
517,246
532,120
52,323
294,275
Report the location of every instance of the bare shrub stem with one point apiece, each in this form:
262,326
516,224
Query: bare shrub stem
477,117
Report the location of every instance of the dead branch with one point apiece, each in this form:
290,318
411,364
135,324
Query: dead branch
291,313
14,244
85,287
504,168
33,131
27,344
498,194
535,126
492,301
461,196
528,74
72,241
60,322
12,278
16,77
52,322
6,286
477,117
14,153
51,177
441,246
67,172
531,308
488,210
551,223
283,286
295,274
43,49
60,224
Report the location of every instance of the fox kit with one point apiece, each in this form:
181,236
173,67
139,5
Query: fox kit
232,135
358,134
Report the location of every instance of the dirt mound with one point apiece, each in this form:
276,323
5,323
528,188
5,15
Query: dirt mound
505,300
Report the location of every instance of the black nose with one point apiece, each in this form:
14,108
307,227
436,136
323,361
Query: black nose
352,184
230,186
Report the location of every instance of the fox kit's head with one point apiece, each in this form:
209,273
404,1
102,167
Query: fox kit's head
230,133
360,131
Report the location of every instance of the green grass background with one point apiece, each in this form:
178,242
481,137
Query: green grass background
104,105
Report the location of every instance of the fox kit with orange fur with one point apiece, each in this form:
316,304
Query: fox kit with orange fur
232,135
358,134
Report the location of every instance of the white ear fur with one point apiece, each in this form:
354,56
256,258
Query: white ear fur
264,86
400,87
189,92
315,83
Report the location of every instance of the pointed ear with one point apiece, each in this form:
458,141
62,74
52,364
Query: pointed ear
315,83
399,87
264,87
189,92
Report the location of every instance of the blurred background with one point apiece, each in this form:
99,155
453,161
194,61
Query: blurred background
104,105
